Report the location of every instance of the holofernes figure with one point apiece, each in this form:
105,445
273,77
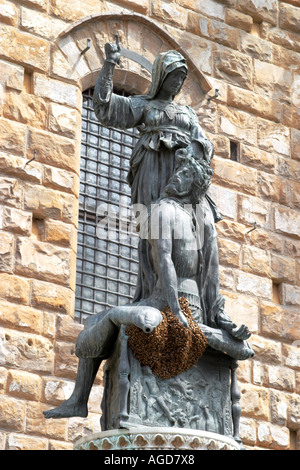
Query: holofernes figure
171,143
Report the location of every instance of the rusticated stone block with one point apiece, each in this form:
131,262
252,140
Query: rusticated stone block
273,188
233,67
17,441
44,261
12,413
24,385
260,10
255,47
24,48
37,4
229,252
293,413
295,96
15,220
12,75
63,180
26,351
56,391
78,11
56,90
280,322
288,168
10,192
271,436
232,230
38,425
273,137
291,357
255,402
8,13
291,117
289,17
266,240
254,285
26,108
256,104
248,431
225,200
279,404
20,316
279,82
14,288
289,295
42,201
238,125
242,309
60,233
64,121
234,175
282,268
281,378
6,251
52,149
253,209
239,20
207,7
266,350
257,158
46,295
208,28
16,166
48,203
12,137
287,221
256,261
295,138
169,12
41,24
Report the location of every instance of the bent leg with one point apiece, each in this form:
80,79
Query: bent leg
222,341
76,405
99,339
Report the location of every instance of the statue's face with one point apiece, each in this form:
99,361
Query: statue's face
180,184
174,81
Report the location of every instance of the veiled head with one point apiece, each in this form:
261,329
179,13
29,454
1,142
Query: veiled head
164,64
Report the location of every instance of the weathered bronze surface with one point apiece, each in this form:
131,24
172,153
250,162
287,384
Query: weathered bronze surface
169,178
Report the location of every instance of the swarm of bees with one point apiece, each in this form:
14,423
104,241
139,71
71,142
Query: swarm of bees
171,348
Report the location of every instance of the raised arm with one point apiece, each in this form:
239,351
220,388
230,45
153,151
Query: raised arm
111,109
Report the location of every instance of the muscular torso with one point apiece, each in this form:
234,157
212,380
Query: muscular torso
183,246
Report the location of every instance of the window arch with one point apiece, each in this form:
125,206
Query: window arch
106,261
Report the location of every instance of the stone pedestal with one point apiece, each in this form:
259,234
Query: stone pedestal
195,410
156,438
202,398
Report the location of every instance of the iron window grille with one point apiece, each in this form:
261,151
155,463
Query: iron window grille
106,265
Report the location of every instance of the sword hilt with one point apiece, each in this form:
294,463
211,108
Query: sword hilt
117,41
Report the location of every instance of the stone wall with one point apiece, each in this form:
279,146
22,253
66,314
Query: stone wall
250,52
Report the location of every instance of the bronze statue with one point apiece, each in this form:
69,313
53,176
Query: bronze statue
169,176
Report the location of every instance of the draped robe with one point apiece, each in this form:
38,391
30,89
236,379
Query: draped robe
164,128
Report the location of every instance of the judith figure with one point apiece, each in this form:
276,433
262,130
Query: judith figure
165,128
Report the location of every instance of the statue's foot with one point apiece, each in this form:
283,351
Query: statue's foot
67,410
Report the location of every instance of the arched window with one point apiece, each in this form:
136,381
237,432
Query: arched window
106,265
